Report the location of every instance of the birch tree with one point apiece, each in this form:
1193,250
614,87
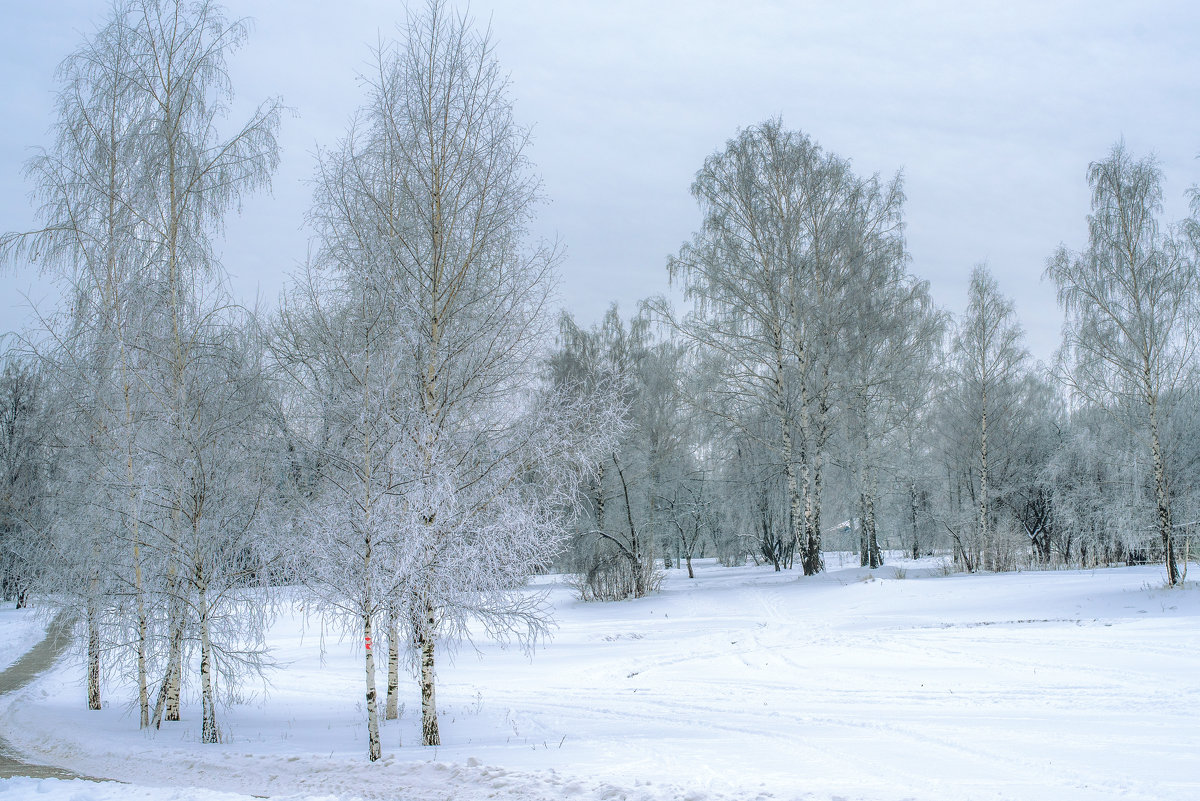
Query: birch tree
192,175
988,363
1131,319
84,185
217,479
132,193
338,341
456,469
782,221
615,547
886,350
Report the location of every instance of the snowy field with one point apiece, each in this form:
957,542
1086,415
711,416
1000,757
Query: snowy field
900,683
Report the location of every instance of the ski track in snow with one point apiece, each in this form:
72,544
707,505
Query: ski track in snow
742,684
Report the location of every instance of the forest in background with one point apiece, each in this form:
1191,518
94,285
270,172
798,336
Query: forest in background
412,432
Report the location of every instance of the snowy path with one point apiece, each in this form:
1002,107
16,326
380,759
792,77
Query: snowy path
1056,686
18,674
20,630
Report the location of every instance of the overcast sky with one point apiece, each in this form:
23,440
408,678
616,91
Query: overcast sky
992,111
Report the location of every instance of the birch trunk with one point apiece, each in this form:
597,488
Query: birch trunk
374,750
810,547
874,555
167,705
391,709
139,594
425,643
813,553
1161,496
135,532
652,517
984,534
600,497
860,478
208,728
795,504
93,648
864,547
143,687
813,562
912,508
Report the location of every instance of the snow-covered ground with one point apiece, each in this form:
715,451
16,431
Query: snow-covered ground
20,630
899,683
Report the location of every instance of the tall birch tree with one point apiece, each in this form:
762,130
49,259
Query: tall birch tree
132,193
988,364
1132,322
783,223
456,472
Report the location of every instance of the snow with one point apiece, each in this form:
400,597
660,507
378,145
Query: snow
20,630
898,683
20,788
